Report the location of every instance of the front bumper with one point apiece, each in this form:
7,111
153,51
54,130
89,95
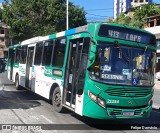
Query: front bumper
93,110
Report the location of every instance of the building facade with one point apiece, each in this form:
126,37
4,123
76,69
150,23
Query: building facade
125,5
5,41
153,26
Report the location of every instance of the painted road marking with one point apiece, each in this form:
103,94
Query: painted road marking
46,119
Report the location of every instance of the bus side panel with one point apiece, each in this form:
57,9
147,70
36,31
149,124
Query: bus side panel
8,70
15,71
43,83
22,72
37,73
79,104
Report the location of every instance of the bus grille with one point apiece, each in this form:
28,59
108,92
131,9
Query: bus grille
121,92
115,112
119,112
137,112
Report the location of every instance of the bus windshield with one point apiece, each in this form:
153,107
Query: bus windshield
123,65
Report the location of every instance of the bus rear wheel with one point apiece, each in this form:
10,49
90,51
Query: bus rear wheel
17,82
57,100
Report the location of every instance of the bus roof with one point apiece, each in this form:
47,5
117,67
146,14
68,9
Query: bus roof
31,40
129,27
56,35
15,45
74,31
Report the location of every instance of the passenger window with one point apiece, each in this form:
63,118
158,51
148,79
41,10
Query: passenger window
23,55
59,52
11,55
17,56
47,54
38,53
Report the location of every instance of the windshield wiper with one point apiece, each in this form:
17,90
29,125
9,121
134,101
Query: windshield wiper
116,44
145,49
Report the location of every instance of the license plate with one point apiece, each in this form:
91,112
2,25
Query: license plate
128,113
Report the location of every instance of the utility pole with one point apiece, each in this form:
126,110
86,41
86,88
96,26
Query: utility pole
67,15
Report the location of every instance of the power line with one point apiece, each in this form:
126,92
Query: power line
99,9
96,18
96,15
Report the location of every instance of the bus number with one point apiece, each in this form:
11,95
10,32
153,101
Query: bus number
76,36
48,71
112,101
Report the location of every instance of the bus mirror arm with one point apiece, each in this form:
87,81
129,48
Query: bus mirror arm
92,55
94,41
93,46
91,61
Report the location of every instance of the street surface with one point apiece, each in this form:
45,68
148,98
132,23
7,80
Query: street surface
24,107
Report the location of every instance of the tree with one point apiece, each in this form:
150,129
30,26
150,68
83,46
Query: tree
1,11
30,18
139,16
143,12
110,20
122,19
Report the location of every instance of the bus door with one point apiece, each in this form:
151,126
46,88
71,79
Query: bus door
11,60
75,70
29,67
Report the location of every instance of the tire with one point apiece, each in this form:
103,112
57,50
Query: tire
17,82
57,100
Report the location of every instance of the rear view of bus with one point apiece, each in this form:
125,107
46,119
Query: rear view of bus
120,73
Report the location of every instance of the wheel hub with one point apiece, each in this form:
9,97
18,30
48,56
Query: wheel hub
57,99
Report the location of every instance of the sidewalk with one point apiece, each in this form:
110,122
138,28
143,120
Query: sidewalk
156,95
156,106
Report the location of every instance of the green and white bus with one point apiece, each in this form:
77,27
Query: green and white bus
99,70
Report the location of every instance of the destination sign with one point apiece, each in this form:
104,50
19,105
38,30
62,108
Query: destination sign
126,34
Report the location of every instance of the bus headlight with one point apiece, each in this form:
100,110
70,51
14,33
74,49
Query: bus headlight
101,102
92,96
97,99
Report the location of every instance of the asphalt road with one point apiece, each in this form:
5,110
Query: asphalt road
34,113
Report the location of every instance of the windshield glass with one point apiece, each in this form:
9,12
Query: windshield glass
119,64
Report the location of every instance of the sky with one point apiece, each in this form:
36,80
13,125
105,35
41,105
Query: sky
98,10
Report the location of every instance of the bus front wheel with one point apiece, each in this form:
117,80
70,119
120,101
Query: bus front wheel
57,100
17,82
